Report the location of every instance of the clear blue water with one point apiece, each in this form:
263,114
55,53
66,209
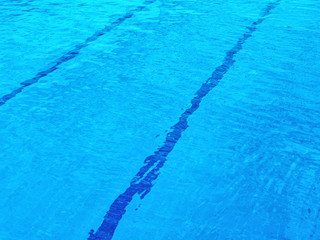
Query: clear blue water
160,120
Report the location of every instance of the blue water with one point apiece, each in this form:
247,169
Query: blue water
159,120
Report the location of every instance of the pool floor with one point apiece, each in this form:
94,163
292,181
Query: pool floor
159,119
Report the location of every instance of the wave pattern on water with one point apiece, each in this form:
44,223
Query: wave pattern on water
73,53
143,181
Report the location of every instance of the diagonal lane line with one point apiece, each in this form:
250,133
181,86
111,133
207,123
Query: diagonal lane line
74,52
143,181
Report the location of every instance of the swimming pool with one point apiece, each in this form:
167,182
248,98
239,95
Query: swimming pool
159,119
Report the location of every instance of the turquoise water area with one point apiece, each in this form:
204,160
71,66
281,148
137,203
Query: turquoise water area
159,119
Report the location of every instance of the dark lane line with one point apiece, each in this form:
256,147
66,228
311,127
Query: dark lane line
143,181
74,52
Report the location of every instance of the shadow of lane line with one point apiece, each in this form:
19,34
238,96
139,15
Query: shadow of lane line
74,52
143,181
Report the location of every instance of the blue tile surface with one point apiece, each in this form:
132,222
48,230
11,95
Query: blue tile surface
221,95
